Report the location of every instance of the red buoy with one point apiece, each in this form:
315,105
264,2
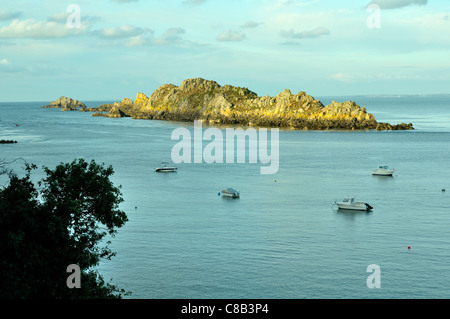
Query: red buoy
409,247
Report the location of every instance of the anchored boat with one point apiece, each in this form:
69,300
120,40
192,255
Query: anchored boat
349,203
230,192
383,170
165,169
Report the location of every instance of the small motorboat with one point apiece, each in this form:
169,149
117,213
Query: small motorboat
230,192
349,203
165,169
383,170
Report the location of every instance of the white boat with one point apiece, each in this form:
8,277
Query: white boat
230,192
383,170
165,168
349,203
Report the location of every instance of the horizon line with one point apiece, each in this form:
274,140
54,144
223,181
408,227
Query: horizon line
321,96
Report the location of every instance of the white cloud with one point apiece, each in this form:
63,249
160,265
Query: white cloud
275,4
231,35
315,33
62,17
251,24
342,77
125,31
6,67
59,17
137,41
31,28
406,74
394,4
280,4
172,35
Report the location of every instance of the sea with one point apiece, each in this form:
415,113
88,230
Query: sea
283,238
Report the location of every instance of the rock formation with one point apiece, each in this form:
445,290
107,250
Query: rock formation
66,104
116,112
8,142
215,104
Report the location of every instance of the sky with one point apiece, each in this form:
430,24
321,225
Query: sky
107,50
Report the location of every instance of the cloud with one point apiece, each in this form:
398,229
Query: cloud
125,31
251,24
230,35
33,29
62,18
59,17
10,15
171,36
6,67
410,73
291,4
315,33
138,41
342,77
394,4
280,3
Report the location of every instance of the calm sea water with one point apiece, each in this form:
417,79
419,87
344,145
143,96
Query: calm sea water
283,238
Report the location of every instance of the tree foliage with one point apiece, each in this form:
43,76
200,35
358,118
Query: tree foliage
64,221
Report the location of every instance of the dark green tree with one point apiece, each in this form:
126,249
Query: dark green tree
63,221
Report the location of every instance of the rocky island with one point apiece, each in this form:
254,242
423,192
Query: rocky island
66,104
8,142
200,99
